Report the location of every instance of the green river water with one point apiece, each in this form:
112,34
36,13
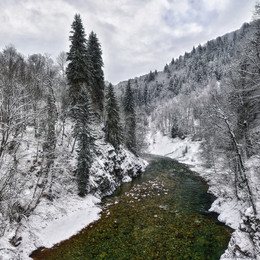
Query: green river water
160,215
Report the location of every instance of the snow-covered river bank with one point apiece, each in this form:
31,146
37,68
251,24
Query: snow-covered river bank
162,213
49,225
55,220
231,211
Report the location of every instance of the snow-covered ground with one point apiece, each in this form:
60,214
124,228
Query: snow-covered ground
184,150
65,213
52,223
231,211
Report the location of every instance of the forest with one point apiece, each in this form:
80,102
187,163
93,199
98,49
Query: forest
61,135
211,95
66,133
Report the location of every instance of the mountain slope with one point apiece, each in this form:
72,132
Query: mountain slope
211,95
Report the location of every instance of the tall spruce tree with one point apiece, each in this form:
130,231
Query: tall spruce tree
78,68
85,137
78,75
130,119
113,129
97,75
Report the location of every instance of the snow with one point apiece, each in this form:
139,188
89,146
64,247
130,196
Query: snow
65,214
79,216
127,179
185,151
51,223
228,212
231,211
54,221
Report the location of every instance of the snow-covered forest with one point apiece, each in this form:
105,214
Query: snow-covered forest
68,138
211,96
61,139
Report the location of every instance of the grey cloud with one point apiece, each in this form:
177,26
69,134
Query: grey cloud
136,36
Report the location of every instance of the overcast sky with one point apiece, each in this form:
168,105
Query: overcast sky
136,35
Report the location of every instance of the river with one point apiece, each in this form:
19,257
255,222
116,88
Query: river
163,214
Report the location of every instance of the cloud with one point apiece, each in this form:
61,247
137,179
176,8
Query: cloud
216,4
136,35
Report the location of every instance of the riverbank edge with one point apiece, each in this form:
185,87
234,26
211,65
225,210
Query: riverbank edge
231,212
59,219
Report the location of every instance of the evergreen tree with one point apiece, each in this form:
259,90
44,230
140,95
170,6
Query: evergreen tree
166,68
78,75
175,130
85,138
151,76
77,70
113,130
52,116
171,85
97,75
193,51
145,94
130,119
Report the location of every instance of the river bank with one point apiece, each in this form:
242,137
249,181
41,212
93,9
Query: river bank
66,214
231,211
184,151
160,214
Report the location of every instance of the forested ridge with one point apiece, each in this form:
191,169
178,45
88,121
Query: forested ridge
211,95
194,93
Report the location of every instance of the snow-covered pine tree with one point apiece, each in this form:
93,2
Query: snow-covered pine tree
150,76
52,116
97,75
84,135
113,129
78,75
130,119
175,128
78,68
145,95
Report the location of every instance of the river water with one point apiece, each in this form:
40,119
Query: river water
160,215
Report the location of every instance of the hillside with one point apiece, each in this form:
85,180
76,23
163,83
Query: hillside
39,206
58,154
210,97
191,71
